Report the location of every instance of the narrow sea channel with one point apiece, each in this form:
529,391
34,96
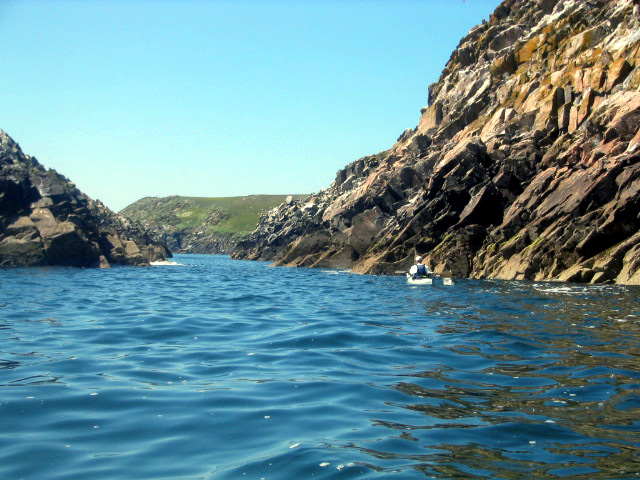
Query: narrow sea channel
221,369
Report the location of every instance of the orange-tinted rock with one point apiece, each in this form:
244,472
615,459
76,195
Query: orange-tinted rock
546,112
505,64
431,118
598,76
585,105
618,71
527,51
577,80
525,166
564,113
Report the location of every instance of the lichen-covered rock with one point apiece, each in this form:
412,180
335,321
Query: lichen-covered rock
46,220
525,164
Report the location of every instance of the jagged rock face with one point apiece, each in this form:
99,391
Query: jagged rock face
46,220
525,164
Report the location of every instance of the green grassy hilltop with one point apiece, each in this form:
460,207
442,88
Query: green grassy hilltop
201,224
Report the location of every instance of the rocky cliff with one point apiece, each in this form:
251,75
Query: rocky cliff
524,165
46,220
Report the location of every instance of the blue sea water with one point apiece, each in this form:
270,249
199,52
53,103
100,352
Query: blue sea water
221,369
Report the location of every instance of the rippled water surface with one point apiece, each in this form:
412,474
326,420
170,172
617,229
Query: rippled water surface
221,369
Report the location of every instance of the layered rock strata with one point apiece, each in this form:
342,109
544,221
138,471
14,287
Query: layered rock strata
525,164
46,220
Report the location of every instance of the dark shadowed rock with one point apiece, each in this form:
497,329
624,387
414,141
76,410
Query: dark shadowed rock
46,220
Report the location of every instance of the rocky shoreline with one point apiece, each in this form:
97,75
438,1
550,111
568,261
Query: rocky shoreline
46,220
524,165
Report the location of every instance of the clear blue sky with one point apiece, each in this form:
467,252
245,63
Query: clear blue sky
218,98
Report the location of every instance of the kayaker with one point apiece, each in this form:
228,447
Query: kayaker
419,270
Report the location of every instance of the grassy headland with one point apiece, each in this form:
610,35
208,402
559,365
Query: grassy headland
202,224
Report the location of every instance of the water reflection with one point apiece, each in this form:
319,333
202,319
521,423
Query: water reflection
33,380
8,364
543,386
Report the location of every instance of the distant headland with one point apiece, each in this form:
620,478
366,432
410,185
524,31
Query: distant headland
202,224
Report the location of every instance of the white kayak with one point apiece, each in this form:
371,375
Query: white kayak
427,281
419,281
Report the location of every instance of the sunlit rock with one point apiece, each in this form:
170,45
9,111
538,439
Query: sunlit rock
524,165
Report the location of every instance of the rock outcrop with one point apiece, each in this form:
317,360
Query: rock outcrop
46,220
525,164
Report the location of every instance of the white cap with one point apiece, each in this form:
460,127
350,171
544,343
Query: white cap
418,258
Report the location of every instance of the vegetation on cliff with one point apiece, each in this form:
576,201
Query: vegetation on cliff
201,224
46,220
525,163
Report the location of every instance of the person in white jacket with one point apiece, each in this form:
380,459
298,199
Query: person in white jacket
419,270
